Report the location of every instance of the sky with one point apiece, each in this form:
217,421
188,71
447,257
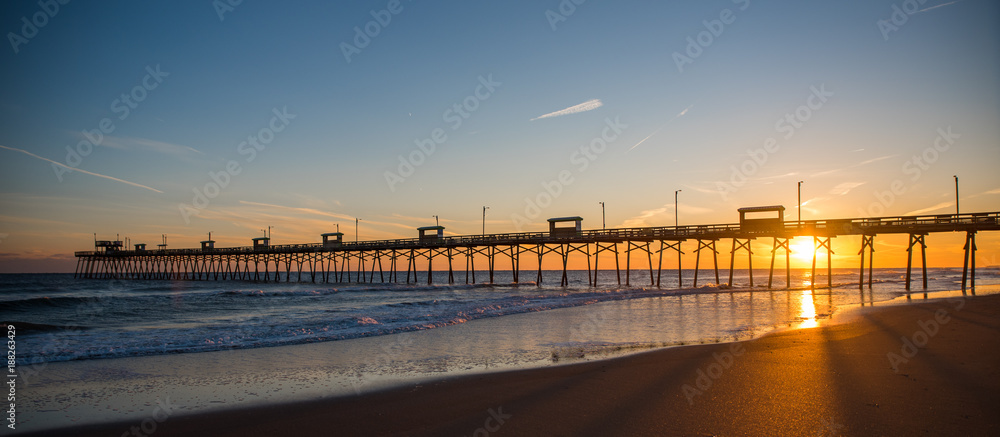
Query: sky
143,119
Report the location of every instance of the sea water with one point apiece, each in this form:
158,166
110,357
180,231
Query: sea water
102,350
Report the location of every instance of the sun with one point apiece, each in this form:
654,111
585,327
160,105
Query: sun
802,250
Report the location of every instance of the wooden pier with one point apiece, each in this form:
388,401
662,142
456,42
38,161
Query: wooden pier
335,260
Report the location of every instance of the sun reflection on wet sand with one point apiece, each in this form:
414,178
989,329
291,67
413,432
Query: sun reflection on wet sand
807,311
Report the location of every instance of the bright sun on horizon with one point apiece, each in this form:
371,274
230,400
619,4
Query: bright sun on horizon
802,250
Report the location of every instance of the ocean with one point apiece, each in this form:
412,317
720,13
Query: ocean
59,318
90,351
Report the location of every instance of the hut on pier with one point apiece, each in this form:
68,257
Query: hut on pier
431,233
565,231
332,239
261,243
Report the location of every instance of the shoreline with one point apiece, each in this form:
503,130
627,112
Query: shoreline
426,401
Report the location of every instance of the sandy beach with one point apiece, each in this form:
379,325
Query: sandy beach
930,367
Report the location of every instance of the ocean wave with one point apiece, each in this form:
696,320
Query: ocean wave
28,327
45,302
279,293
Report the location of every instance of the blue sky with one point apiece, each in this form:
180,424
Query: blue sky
887,96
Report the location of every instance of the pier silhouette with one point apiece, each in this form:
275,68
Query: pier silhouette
335,260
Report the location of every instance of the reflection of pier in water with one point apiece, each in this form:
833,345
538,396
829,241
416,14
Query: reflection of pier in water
331,260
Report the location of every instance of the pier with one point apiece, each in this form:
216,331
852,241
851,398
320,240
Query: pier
338,261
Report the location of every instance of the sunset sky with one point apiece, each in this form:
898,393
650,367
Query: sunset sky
181,118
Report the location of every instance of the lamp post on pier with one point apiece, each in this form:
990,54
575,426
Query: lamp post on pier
484,219
604,224
437,222
676,215
356,220
957,211
799,209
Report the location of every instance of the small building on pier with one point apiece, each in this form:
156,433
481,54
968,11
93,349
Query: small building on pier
431,233
565,231
208,244
261,243
140,247
332,239
108,246
768,224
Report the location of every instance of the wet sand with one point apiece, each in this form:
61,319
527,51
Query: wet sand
832,380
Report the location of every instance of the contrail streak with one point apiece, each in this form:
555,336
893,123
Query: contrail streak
79,170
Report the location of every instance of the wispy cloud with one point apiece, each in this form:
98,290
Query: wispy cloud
827,172
424,221
938,6
777,176
837,170
643,218
299,209
644,139
685,111
880,158
326,214
702,189
845,187
939,206
679,115
814,200
589,105
986,193
79,170
150,145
